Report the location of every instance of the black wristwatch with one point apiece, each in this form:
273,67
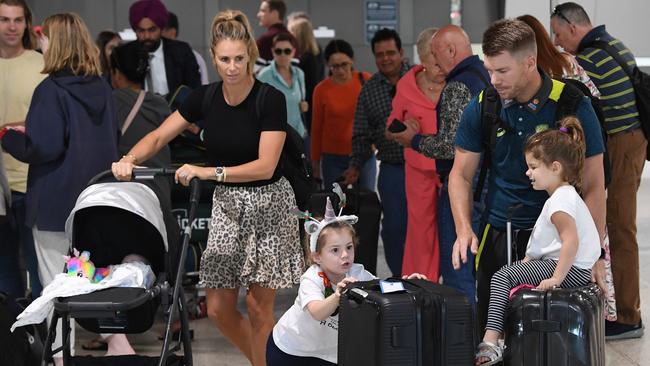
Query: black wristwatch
602,253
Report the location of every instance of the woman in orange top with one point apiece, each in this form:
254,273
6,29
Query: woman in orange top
334,103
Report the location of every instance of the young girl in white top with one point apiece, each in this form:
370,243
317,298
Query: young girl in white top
307,334
564,244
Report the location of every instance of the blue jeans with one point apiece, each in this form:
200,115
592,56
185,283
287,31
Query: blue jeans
463,278
390,186
14,238
333,166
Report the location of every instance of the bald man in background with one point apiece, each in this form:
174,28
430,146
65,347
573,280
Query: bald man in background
465,77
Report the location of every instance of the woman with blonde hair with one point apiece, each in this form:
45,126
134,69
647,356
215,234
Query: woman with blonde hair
416,100
312,62
70,135
253,241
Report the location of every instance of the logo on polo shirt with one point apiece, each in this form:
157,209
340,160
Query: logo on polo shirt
541,128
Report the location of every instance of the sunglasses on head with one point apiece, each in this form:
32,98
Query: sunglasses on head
278,51
558,12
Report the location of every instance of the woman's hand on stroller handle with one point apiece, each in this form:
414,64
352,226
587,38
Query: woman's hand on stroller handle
122,170
187,172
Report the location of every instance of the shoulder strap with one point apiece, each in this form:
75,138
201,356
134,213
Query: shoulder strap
490,123
134,111
261,98
568,103
362,78
208,97
490,116
612,51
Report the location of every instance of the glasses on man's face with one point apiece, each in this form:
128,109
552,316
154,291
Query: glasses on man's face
279,51
341,66
558,12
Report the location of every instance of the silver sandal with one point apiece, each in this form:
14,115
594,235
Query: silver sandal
491,351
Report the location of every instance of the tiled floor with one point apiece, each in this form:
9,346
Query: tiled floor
211,348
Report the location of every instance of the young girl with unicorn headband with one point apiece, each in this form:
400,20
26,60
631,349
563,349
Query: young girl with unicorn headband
307,334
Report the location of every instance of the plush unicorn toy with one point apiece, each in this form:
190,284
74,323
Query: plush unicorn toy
81,266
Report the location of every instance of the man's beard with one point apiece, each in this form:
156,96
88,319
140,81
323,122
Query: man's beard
150,46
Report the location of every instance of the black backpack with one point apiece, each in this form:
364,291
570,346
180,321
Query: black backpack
641,83
567,105
23,347
294,163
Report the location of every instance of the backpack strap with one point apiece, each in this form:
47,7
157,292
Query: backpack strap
612,51
490,123
568,103
261,98
208,97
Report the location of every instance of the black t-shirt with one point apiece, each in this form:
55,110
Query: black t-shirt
232,133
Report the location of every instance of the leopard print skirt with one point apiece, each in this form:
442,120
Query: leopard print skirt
253,238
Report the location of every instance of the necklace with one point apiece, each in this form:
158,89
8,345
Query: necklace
428,84
431,85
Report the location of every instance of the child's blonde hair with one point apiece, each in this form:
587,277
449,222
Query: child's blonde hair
565,145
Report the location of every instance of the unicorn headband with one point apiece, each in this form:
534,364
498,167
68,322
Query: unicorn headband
314,227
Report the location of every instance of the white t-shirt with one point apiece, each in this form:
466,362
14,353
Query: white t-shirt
545,242
297,333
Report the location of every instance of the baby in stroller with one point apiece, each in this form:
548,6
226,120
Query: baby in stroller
117,223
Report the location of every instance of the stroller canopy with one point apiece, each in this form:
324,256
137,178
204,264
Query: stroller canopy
112,220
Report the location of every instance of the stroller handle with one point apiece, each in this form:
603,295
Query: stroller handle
138,174
151,173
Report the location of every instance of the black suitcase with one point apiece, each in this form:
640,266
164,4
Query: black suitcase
364,204
560,327
428,324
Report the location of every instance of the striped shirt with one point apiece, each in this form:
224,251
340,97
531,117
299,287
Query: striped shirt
617,93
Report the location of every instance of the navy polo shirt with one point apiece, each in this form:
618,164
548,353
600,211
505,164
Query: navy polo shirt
508,183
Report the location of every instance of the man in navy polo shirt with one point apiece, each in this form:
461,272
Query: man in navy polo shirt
529,99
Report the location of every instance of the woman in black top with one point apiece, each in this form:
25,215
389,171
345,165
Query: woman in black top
253,240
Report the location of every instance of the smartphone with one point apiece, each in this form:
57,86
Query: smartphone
396,126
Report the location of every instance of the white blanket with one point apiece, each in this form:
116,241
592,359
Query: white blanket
133,274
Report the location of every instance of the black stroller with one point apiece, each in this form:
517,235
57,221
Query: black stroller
111,221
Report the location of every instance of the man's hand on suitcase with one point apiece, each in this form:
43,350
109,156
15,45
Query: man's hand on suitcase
598,275
459,252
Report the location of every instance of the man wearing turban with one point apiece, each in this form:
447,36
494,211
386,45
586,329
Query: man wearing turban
171,62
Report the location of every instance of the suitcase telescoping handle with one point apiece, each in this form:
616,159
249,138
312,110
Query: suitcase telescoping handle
511,211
